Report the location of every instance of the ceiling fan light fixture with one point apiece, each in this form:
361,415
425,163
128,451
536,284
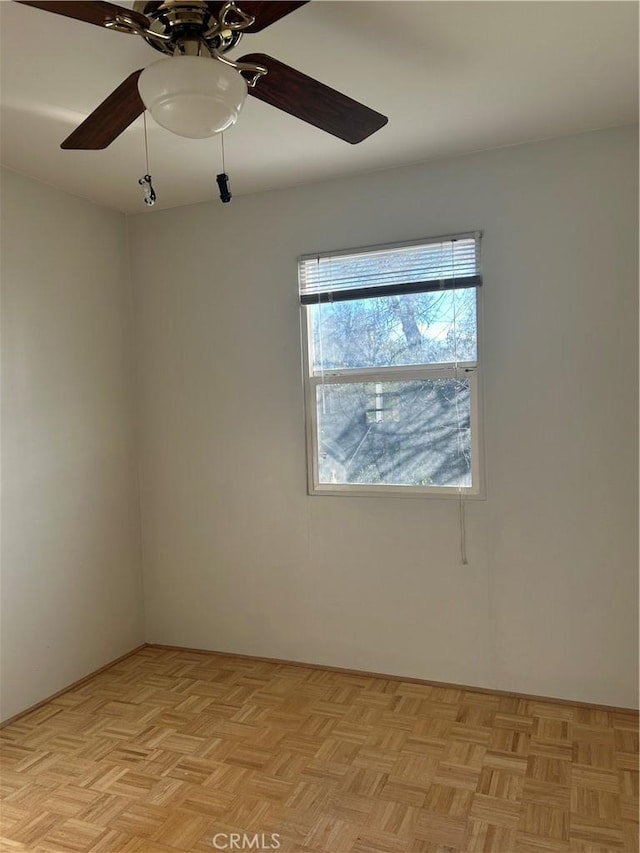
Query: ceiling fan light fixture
193,96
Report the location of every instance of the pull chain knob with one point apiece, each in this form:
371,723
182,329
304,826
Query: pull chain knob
149,192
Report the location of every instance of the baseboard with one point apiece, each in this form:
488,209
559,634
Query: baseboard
361,672
71,686
280,661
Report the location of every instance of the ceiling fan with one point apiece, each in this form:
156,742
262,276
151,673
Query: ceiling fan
197,90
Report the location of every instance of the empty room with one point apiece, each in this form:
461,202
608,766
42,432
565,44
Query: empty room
319,425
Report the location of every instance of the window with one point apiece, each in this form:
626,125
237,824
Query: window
390,338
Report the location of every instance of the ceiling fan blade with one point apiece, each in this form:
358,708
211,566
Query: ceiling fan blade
107,121
265,12
305,98
97,13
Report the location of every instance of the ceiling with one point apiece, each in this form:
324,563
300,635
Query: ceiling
453,77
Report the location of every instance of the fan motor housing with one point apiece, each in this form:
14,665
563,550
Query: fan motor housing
184,21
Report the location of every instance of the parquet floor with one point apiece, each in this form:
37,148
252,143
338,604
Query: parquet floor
168,749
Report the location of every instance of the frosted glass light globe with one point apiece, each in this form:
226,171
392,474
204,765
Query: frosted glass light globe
194,96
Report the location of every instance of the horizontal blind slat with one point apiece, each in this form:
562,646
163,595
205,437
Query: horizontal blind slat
450,263
389,290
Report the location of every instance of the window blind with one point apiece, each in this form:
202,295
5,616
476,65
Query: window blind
441,264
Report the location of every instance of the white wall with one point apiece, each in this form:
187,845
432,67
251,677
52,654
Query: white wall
237,557
71,579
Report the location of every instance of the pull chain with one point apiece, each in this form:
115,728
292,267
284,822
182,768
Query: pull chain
223,179
145,180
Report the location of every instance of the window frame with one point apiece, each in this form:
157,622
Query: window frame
470,370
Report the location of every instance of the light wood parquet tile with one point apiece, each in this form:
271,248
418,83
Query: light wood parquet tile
167,748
